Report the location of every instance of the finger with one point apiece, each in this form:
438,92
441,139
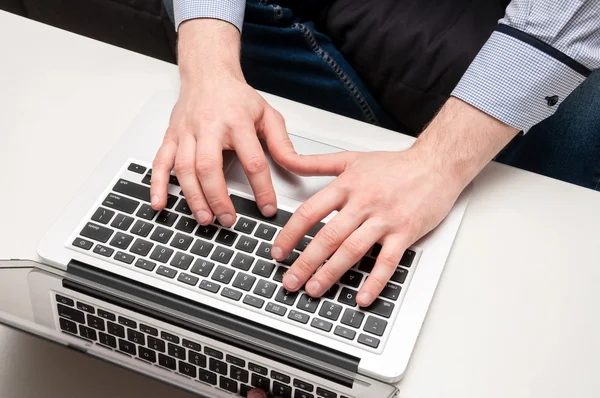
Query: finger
185,169
255,165
257,393
330,164
349,253
274,132
311,212
392,249
209,168
161,170
325,243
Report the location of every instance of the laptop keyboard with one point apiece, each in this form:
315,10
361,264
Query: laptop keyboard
171,351
234,264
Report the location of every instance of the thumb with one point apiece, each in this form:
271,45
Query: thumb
275,134
257,393
329,164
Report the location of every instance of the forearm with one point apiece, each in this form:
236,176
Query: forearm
461,140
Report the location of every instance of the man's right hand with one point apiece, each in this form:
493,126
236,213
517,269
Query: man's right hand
217,110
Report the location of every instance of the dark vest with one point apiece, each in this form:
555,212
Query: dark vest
411,53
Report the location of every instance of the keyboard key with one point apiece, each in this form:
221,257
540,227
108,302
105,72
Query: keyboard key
222,255
407,258
127,322
286,297
167,218
217,366
107,340
209,286
245,389
352,318
206,231
141,228
171,200
167,362
352,278
381,307
186,224
235,360
375,250
244,281
96,232
302,394
348,296
121,240
183,207
289,260
167,272
103,250
95,322
127,347
171,338
231,294
245,225
321,324
263,268
254,301
197,359
264,383
148,330
239,374
276,309
321,392
132,189
122,222
147,354
115,330
242,261
391,291
182,260
303,243
226,237
228,384
146,212
191,345
211,352
368,340
308,303
298,316
156,344
223,274
161,254
103,215
344,332
181,241
330,310
65,300
281,270
141,247
176,351
188,279
145,264
202,267
265,288
187,369
207,377
281,377
120,203
136,168
375,326
366,264
83,243
136,337
68,326
201,248
246,244
265,231
303,385
264,250
331,292
161,235
124,257
281,390
399,275
173,180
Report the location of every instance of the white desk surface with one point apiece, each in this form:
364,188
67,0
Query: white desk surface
515,314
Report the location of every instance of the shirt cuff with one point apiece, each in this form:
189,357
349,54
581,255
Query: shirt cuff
231,11
519,79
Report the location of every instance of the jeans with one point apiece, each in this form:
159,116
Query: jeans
284,54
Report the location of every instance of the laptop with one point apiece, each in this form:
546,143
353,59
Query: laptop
203,307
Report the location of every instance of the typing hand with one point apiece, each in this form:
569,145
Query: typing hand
217,110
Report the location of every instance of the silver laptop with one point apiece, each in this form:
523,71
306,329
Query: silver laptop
203,307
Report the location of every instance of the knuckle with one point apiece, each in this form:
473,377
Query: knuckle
355,247
327,275
205,165
256,165
329,236
303,267
195,200
236,116
306,211
184,167
377,283
387,260
286,236
216,202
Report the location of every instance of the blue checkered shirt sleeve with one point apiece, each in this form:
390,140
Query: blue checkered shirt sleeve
231,11
539,53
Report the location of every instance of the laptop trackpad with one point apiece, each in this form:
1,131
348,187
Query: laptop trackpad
285,183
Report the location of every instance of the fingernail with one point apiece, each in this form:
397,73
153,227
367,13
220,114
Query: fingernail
365,298
269,210
225,220
202,216
276,253
314,288
154,201
291,282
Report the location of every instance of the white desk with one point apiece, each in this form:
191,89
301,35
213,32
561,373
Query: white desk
516,312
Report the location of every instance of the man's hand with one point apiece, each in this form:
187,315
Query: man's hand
217,110
393,198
